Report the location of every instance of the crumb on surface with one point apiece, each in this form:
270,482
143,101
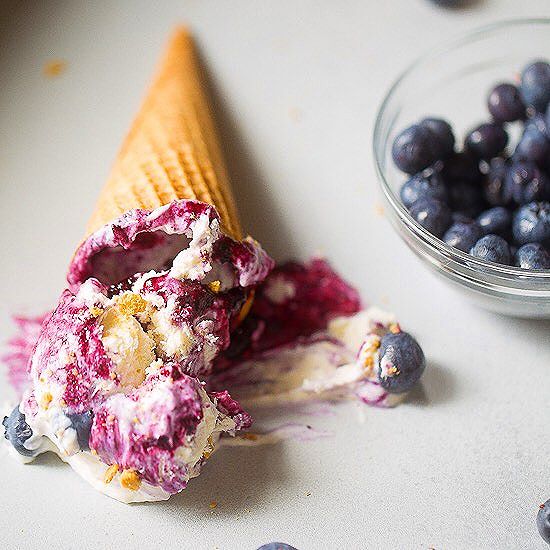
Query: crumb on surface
215,286
54,68
213,504
130,479
379,209
249,436
110,473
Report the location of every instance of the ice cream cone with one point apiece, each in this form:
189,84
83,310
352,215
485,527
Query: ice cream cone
172,150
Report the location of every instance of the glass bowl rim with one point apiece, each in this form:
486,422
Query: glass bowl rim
435,244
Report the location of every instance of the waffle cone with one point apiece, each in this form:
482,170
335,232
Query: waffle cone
172,150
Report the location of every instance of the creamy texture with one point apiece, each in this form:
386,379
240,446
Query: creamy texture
164,314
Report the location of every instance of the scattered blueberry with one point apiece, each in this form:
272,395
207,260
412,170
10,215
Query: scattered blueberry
534,145
17,431
82,423
532,256
505,104
543,521
463,235
492,248
526,183
462,167
444,137
535,85
466,198
276,546
414,149
495,190
432,214
487,140
422,186
496,221
531,223
401,362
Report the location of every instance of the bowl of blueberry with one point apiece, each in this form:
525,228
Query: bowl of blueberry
462,151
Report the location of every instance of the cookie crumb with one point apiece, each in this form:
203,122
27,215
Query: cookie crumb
215,286
54,68
130,479
213,504
110,473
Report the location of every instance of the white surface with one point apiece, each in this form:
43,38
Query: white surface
464,465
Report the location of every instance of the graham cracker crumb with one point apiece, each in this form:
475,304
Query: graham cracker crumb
215,286
213,504
46,399
379,209
54,68
394,328
96,311
131,304
130,479
110,473
250,436
245,310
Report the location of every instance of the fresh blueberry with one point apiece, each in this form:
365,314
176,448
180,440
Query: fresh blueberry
535,85
505,104
531,223
466,198
543,521
444,137
496,221
82,423
401,362
532,256
432,214
17,431
463,235
487,140
462,167
422,186
526,183
492,248
414,149
534,145
276,546
495,190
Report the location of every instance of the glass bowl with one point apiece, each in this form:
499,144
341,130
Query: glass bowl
452,82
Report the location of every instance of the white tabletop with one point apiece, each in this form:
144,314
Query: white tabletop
464,464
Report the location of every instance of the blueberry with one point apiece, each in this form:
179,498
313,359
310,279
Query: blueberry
487,140
496,221
492,248
526,183
82,423
401,362
17,431
463,235
532,256
534,145
495,190
414,149
531,223
463,167
276,546
432,214
543,521
422,186
535,85
466,198
505,104
444,137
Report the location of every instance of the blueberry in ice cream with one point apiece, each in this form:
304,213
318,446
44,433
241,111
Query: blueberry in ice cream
492,248
543,521
401,362
532,256
17,431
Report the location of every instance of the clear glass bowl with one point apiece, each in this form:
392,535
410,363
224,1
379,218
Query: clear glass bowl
452,82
